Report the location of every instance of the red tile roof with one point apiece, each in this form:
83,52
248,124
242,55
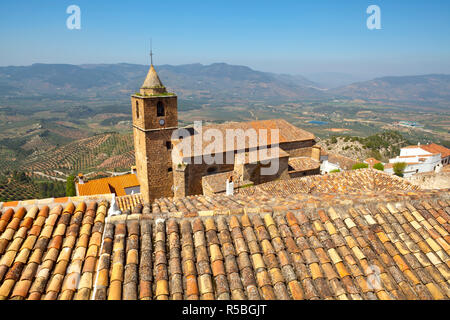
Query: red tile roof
395,246
435,148
287,133
344,163
371,161
303,164
109,185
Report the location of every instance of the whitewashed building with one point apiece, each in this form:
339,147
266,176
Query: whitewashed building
418,159
332,161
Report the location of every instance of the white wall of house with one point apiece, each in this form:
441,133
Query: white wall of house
417,163
326,167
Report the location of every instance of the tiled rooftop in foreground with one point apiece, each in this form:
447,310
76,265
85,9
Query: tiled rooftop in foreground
366,245
355,181
359,182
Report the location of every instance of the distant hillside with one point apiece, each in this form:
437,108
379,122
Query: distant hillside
225,81
429,89
334,79
218,81
381,146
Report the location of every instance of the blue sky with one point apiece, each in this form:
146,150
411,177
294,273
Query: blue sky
277,36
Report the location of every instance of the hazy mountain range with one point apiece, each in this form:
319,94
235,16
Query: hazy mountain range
218,81
433,88
331,80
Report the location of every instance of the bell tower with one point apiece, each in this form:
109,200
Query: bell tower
155,117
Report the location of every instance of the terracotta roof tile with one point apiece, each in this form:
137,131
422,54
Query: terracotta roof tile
435,148
286,133
303,164
116,185
388,243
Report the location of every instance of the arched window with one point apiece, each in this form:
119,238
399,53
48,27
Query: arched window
137,109
160,109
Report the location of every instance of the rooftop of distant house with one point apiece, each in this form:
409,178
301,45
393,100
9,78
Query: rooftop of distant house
371,161
117,185
433,148
344,163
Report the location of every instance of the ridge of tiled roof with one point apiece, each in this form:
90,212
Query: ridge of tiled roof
355,181
393,246
363,183
51,202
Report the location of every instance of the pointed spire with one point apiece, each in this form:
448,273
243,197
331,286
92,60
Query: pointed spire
152,84
152,80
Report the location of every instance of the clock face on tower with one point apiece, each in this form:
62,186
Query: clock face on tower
161,122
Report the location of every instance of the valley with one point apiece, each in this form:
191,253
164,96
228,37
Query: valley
53,125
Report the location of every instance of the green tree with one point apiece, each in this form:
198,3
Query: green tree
43,190
70,186
399,168
360,166
378,166
335,171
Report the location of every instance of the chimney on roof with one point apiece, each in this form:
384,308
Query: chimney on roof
230,186
418,144
80,178
114,209
133,170
315,153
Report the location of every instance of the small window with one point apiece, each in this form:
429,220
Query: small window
160,109
168,145
137,109
169,169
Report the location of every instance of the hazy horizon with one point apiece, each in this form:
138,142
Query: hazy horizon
289,37
304,74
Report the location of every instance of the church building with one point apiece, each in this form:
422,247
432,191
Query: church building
163,172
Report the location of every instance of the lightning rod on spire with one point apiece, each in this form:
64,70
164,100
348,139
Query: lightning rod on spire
151,52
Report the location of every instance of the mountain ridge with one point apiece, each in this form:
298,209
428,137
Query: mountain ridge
427,88
219,82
